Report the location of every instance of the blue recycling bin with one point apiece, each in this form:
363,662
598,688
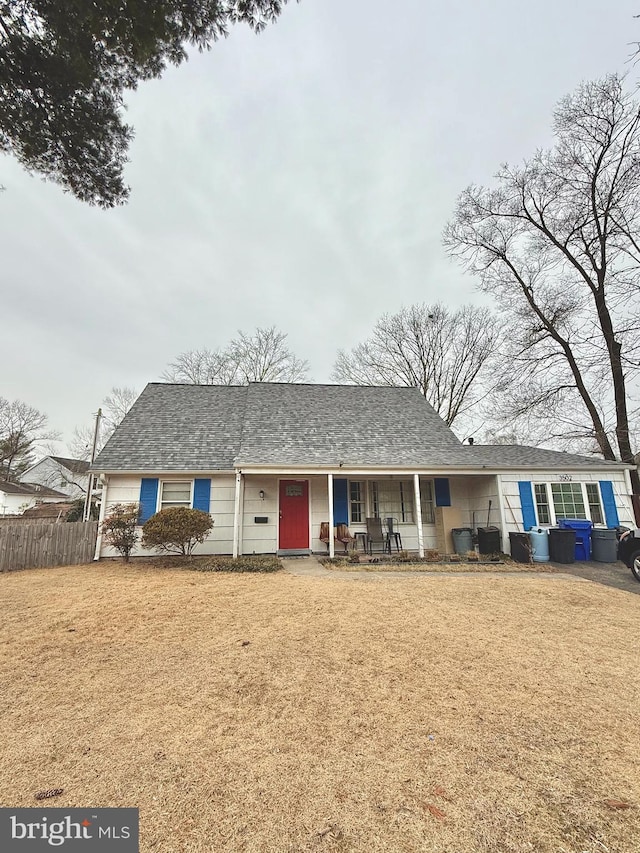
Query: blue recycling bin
582,529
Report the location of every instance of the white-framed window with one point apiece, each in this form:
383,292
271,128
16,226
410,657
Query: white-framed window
568,500
427,503
356,501
175,493
391,499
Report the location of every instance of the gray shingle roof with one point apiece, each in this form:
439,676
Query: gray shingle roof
29,490
177,428
76,466
213,427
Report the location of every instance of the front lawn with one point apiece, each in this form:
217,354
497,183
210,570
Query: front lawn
267,712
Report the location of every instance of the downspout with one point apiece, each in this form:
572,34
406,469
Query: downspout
103,511
332,546
416,489
236,515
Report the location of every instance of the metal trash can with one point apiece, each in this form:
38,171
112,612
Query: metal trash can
582,528
562,545
539,544
489,540
520,545
604,545
462,539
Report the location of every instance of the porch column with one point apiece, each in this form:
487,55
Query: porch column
103,511
236,516
332,549
504,536
416,490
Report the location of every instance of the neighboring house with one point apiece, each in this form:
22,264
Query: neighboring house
16,497
271,462
69,476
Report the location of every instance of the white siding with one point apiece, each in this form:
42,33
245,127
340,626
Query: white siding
511,493
50,473
126,489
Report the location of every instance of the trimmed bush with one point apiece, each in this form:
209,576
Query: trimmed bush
176,530
119,528
257,563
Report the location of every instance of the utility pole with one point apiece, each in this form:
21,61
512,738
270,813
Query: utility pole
87,500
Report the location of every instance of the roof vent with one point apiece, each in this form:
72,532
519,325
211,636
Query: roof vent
470,440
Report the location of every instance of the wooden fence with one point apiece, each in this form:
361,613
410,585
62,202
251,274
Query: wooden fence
36,545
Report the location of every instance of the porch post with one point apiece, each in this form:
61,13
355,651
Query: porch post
416,490
504,536
332,549
236,515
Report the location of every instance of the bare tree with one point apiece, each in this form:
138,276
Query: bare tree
260,357
556,243
115,406
442,352
21,428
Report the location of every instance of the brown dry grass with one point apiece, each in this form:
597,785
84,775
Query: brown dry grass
476,567
278,713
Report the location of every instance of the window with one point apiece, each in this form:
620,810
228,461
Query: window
175,494
595,507
356,502
567,500
392,498
426,501
542,503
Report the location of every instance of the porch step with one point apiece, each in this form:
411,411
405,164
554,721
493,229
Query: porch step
294,552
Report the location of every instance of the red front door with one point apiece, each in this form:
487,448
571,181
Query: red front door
294,514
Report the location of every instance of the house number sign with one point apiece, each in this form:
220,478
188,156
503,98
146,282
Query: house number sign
565,478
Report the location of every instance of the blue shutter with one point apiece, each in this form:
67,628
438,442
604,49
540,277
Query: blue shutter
526,502
148,498
202,494
442,493
609,502
340,502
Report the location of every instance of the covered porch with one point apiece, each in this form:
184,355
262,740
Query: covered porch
285,512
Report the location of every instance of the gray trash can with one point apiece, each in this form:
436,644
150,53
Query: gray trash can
462,539
604,545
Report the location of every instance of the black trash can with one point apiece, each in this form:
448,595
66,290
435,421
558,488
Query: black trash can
489,540
604,545
520,547
562,545
462,539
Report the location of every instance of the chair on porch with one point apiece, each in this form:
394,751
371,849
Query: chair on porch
393,532
344,535
324,533
376,536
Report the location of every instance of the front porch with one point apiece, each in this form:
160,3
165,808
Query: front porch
284,513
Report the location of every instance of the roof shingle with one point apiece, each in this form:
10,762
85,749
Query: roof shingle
214,427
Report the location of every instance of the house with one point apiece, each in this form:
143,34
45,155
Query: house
16,497
271,462
69,476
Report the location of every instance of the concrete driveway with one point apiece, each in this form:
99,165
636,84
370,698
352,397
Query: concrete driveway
610,574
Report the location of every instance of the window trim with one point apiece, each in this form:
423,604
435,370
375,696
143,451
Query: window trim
553,518
161,486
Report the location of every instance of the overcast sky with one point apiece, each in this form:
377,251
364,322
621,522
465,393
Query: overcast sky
300,178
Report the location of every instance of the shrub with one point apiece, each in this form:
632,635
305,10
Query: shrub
119,528
76,513
176,530
253,563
